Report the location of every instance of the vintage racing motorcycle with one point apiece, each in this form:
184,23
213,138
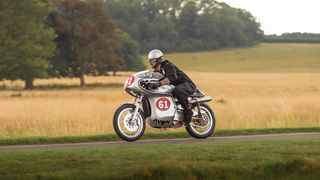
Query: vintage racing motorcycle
156,106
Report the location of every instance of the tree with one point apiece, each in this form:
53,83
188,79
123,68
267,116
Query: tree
128,51
129,15
251,28
208,30
160,33
26,44
184,25
186,22
85,41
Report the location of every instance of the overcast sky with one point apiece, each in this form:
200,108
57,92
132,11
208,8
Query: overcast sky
280,16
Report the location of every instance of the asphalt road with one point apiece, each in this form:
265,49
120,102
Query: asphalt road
267,137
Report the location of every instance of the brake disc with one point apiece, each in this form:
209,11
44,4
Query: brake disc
130,126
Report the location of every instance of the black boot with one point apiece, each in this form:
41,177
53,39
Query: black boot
187,116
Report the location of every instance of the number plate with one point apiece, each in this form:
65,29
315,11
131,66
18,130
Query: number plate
163,104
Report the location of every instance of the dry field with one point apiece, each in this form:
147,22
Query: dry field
242,100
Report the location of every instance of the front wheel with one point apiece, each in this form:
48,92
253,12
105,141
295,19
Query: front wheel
127,128
204,126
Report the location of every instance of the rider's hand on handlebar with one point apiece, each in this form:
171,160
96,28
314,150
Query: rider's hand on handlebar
150,85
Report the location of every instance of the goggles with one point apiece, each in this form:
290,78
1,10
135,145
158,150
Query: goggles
152,61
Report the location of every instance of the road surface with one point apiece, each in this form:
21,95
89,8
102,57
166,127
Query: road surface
266,137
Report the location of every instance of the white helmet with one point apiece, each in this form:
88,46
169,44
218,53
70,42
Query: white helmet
155,55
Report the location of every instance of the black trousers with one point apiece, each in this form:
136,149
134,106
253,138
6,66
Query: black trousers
181,92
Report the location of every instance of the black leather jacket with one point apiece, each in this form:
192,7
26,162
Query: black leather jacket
173,73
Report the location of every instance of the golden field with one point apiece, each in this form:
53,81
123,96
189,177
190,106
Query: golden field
241,100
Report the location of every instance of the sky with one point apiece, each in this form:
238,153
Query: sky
282,16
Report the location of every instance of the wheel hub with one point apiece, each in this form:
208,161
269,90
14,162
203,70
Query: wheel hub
130,125
199,121
203,121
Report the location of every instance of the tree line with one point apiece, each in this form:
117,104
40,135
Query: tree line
296,37
185,25
64,38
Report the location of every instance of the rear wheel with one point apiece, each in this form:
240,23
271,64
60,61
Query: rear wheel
201,127
127,128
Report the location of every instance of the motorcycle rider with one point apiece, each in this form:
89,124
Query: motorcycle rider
184,86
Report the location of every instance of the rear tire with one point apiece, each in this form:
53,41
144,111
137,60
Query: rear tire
124,127
208,125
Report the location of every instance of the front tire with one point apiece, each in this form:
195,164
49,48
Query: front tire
204,128
126,128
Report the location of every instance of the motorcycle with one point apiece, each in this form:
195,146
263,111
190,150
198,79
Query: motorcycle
156,105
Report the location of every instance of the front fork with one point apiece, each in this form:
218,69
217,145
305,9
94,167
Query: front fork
199,109
137,104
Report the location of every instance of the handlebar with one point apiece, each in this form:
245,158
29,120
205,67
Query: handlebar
151,85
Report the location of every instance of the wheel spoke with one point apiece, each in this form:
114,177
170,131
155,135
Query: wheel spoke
126,128
202,128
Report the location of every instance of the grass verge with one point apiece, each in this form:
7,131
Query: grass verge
160,135
290,159
265,57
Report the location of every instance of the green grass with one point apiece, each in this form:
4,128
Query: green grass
264,58
290,159
160,135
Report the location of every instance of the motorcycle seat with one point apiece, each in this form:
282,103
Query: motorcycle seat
197,94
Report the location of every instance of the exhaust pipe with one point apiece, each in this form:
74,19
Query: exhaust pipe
203,99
